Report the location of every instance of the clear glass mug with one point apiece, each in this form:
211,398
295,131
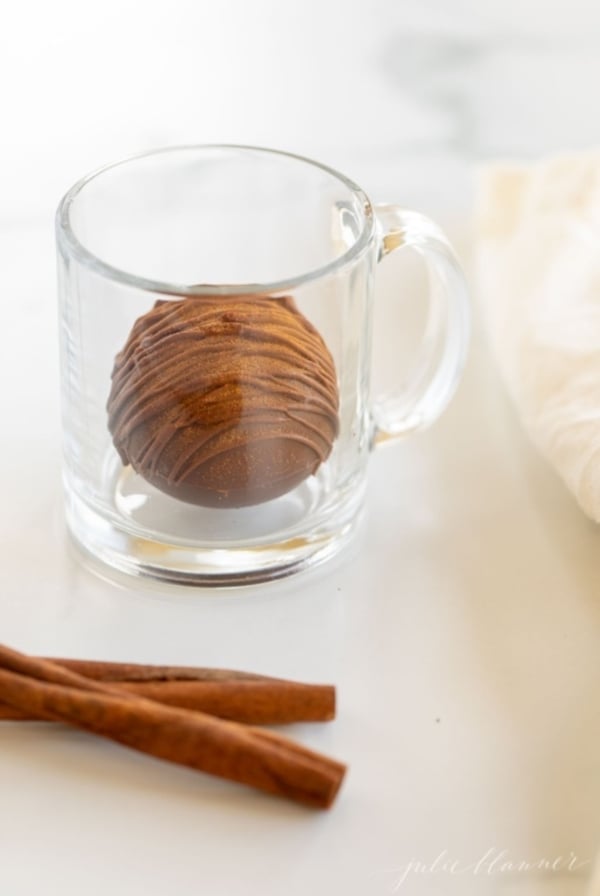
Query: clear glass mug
215,321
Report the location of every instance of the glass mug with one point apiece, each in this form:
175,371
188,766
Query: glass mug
215,323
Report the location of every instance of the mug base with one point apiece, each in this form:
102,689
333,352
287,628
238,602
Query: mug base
108,544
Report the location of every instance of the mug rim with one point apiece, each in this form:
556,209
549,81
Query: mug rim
71,246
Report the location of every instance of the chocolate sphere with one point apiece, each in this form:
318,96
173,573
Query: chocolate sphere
224,402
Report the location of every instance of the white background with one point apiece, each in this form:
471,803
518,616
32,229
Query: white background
379,89
472,594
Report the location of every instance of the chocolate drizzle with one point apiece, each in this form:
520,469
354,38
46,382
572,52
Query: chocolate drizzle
224,402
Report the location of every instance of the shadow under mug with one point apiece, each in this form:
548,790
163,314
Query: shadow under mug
215,323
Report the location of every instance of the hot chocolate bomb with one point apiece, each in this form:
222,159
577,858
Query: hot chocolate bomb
224,402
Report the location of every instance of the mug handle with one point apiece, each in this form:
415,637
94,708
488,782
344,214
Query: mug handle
446,336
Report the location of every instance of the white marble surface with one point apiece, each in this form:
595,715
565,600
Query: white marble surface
462,631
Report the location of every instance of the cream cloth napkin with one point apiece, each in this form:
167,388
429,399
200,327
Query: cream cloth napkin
538,271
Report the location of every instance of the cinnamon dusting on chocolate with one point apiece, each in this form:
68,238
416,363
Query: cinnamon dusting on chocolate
224,402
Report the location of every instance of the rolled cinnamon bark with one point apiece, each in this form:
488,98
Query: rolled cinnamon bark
230,750
239,696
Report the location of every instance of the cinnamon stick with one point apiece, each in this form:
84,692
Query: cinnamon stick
260,759
240,696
